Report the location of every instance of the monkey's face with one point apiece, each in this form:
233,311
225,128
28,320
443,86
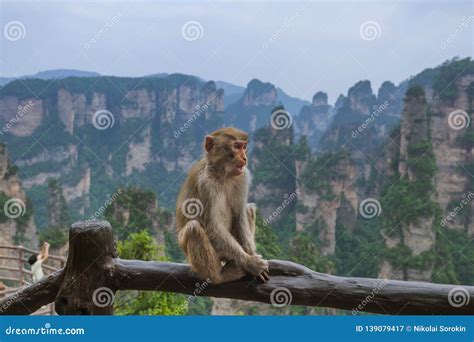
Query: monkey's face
239,152
227,153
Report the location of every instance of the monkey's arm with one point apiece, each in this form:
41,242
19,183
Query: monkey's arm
245,229
225,244
229,248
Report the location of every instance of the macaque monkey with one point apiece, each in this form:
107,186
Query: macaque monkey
215,225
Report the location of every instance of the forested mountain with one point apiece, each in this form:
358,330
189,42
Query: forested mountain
51,74
366,186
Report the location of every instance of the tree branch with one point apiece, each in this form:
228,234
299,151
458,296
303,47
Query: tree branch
303,287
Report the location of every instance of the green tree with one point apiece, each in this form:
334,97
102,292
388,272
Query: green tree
142,246
304,251
56,233
266,240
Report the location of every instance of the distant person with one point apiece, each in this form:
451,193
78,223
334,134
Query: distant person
36,262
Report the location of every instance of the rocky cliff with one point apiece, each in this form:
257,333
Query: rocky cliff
17,225
427,233
314,119
131,210
452,134
272,164
362,120
252,110
326,189
411,235
98,133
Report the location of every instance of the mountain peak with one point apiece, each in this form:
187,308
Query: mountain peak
386,91
361,88
259,93
320,99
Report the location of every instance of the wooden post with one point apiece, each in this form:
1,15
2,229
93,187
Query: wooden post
20,266
87,288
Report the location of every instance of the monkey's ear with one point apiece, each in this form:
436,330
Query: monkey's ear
208,143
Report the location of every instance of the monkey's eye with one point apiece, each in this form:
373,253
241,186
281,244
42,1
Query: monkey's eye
240,145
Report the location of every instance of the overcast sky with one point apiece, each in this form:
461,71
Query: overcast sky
300,47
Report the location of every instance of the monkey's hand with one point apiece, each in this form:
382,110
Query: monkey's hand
257,266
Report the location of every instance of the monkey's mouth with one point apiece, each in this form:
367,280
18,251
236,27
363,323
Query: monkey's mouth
239,169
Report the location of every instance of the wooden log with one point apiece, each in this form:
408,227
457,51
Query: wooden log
293,284
30,298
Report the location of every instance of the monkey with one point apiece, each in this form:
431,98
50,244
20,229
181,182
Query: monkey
215,225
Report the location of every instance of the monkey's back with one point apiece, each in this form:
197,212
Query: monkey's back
190,192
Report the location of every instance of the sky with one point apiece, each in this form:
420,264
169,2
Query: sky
301,47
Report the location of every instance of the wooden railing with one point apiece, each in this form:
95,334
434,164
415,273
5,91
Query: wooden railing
15,276
94,272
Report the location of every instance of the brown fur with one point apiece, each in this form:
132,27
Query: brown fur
224,232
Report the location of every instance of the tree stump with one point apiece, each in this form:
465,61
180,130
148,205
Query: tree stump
87,287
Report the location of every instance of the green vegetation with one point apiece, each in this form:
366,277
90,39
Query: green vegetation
302,250
21,221
415,91
444,83
302,150
358,249
172,248
142,246
133,210
55,236
56,232
408,199
273,153
448,262
266,240
319,173
113,87
407,202
3,199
